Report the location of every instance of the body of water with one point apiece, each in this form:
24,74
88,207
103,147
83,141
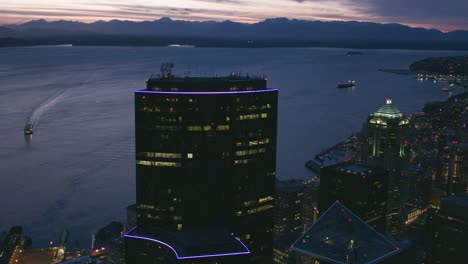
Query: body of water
77,172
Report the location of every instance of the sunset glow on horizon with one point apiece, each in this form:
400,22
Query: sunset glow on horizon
445,16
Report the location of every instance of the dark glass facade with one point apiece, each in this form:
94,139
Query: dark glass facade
360,188
206,157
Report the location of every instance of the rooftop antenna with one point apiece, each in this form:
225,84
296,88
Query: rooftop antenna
166,70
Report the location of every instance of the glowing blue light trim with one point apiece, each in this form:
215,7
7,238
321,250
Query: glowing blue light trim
205,92
188,257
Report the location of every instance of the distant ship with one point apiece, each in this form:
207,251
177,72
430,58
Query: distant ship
348,84
180,46
351,53
447,89
28,129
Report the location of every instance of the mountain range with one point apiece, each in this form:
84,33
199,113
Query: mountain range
270,32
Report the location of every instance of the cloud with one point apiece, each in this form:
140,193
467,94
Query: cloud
440,14
448,14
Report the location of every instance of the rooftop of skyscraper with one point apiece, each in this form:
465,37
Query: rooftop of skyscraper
351,167
170,82
193,243
339,236
388,110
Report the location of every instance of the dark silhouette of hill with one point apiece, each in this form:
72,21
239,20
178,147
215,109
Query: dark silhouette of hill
274,32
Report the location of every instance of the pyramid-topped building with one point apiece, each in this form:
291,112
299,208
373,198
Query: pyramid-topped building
339,236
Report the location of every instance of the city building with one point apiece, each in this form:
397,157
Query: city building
416,191
361,188
282,252
385,132
448,229
340,236
311,200
453,174
205,163
384,145
289,206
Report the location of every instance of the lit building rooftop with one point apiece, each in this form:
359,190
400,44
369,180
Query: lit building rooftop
193,243
388,111
339,236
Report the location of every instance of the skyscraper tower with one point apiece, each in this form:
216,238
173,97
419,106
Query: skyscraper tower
362,188
384,146
205,167
385,133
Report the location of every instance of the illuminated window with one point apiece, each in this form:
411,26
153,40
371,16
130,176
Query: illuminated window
263,115
222,127
145,206
248,117
194,128
243,161
260,209
253,142
265,199
250,152
190,155
179,226
158,163
249,203
165,155
166,128
207,128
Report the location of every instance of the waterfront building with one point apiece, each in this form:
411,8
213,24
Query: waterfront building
205,165
361,188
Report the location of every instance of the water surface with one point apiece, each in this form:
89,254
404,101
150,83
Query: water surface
77,171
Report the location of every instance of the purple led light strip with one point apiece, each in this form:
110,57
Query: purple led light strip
201,93
188,257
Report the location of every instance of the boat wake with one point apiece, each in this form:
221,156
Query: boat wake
50,102
47,104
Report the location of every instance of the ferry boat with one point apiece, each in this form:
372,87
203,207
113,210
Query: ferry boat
28,129
348,84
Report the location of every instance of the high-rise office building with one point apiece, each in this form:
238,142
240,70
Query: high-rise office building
205,164
360,188
453,174
449,228
289,206
384,145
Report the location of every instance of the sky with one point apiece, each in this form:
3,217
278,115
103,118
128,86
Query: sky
445,15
